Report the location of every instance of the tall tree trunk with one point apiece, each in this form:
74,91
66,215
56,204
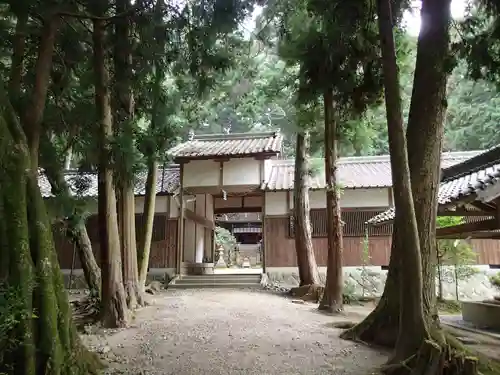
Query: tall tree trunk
150,195
17,62
34,112
124,117
149,212
113,302
332,297
423,136
306,260
42,337
128,241
413,329
425,129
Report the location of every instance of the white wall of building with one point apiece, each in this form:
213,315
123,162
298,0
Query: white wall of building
238,171
351,198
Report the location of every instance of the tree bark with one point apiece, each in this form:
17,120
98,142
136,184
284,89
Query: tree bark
17,64
124,117
91,270
113,302
43,338
332,297
149,212
34,112
306,260
417,135
150,195
413,329
133,292
425,129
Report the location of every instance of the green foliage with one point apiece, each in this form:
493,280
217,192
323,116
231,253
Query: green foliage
224,238
12,313
495,281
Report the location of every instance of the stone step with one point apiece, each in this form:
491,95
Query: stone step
228,285
236,278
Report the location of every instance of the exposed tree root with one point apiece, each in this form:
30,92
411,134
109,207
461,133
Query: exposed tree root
86,311
380,327
311,293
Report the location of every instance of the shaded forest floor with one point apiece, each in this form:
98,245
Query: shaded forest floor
232,332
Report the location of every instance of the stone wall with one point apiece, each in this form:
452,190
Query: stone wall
370,281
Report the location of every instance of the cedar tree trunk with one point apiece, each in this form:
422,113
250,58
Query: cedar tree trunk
150,195
124,117
42,338
332,297
18,51
306,261
34,112
91,270
149,212
128,242
113,302
425,129
413,329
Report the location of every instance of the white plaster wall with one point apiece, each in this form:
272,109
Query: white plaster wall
350,198
201,173
161,204
244,171
240,171
275,203
174,208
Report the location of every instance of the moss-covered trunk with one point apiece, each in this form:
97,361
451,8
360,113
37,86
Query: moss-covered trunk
149,213
425,129
113,302
133,291
44,339
306,260
332,297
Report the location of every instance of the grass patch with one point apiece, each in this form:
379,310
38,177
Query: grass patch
449,306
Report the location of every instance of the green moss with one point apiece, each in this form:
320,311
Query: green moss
47,337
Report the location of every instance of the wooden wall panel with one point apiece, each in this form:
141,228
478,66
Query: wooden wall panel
163,246
280,247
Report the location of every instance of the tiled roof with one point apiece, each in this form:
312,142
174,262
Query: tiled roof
236,145
461,180
353,172
85,184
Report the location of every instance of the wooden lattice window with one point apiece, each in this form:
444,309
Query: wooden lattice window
354,223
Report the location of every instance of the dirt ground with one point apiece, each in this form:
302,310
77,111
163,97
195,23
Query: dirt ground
232,332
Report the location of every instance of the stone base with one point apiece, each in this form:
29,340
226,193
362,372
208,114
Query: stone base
370,281
482,314
197,268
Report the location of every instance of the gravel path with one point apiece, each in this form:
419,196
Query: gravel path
231,332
